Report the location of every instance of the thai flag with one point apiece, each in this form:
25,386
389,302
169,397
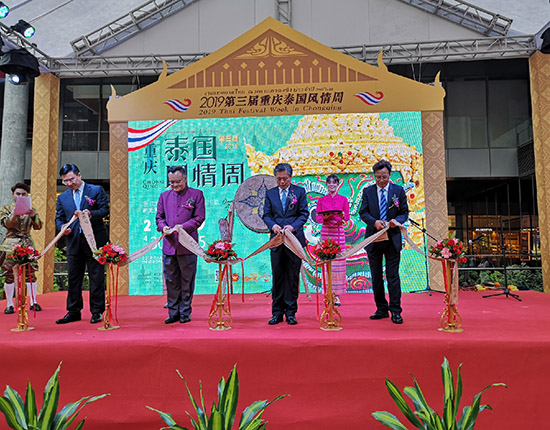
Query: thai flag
370,99
138,139
177,105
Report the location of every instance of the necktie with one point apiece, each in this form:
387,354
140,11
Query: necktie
76,197
283,199
383,206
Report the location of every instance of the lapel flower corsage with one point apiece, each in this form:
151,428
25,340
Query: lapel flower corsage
90,201
395,202
293,200
189,204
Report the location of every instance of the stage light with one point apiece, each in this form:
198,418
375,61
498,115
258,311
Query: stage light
4,10
545,46
24,28
20,65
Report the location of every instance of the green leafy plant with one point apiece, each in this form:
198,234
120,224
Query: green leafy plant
222,415
25,416
424,417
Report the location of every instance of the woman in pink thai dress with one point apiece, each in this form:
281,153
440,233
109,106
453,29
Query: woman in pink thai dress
333,212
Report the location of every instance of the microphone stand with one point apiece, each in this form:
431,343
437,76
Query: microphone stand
425,234
506,291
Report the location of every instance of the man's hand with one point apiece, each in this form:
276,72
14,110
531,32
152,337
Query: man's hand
289,228
68,231
276,229
31,213
393,223
379,225
165,229
87,212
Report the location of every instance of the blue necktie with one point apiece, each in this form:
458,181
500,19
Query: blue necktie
76,198
383,206
283,200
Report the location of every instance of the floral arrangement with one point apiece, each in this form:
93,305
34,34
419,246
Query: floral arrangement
23,255
189,204
110,253
90,201
451,248
326,250
293,200
395,202
221,250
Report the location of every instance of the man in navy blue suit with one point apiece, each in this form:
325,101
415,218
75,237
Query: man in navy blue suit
81,196
382,203
285,210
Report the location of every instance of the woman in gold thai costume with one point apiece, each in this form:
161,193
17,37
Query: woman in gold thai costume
19,228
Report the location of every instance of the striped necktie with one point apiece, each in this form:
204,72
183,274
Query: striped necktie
383,205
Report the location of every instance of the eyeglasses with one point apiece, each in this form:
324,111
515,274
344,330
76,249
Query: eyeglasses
382,177
69,180
175,182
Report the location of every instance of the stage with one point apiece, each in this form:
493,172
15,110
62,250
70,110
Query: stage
335,379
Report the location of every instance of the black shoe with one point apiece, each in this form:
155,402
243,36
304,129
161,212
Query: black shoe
9,310
291,319
172,319
36,307
185,319
396,318
96,318
378,315
70,317
275,319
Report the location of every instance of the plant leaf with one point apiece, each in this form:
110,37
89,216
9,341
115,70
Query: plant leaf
202,419
30,406
449,419
18,407
166,417
249,413
65,417
216,421
228,402
458,393
7,409
389,420
49,407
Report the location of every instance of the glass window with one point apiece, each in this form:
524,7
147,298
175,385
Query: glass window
466,114
81,111
509,119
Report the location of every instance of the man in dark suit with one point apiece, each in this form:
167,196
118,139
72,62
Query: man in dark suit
381,203
92,199
285,210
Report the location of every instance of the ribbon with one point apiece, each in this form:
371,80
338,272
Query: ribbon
59,235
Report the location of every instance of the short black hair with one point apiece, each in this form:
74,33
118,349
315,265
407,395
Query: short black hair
283,167
333,177
22,186
66,168
181,169
380,165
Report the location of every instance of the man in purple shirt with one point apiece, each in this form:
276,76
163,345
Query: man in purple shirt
180,206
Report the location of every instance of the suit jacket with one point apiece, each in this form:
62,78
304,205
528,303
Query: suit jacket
99,209
185,208
295,214
370,211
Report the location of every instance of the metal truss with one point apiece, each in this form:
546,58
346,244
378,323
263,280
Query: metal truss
466,14
284,11
397,53
13,40
136,20
443,51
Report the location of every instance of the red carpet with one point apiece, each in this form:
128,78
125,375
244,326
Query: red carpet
335,380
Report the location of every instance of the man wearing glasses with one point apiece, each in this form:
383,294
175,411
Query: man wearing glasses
81,196
183,207
385,203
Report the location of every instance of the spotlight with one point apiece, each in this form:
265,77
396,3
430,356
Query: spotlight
20,65
4,10
24,28
545,47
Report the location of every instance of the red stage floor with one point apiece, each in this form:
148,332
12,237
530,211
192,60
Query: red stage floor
335,379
